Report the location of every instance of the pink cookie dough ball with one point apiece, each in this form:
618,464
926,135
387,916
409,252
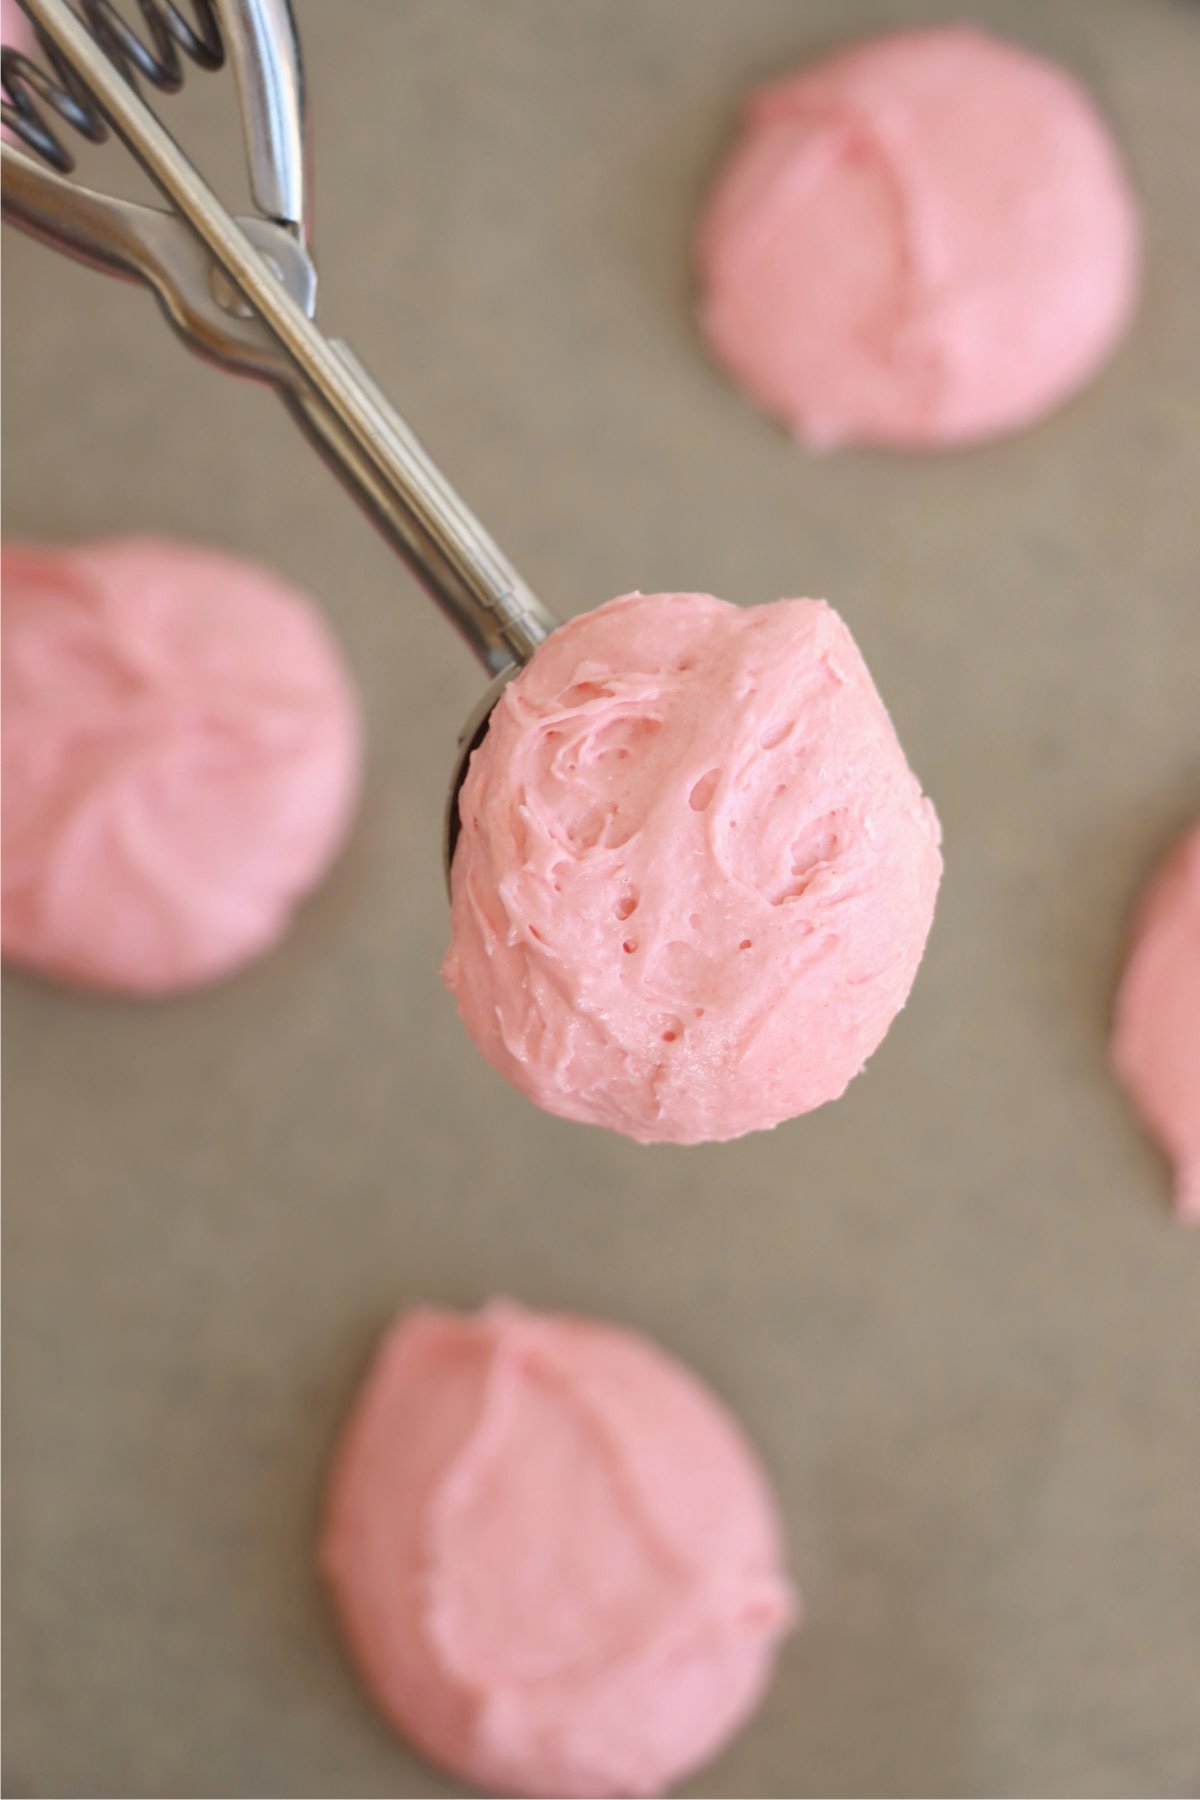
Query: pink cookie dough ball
555,1556
695,875
1156,1033
925,240
181,753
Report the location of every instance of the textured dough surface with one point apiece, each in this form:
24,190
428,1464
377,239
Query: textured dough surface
926,239
1156,1037
556,1558
180,761
695,874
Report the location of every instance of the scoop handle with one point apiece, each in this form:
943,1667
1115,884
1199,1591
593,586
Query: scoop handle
354,426
407,497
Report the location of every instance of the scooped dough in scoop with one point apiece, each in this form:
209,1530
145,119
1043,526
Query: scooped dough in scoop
695,874
1156,1037
556,1558
924,240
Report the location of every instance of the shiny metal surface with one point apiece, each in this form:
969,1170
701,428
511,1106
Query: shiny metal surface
344,413
141,243
469,740
261,43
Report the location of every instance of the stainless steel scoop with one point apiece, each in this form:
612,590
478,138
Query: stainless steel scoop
242,291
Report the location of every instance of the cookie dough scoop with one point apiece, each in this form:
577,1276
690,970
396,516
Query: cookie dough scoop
242,291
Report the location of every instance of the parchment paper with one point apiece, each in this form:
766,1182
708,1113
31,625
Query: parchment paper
951,1309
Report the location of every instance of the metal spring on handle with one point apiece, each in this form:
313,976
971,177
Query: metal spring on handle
160,64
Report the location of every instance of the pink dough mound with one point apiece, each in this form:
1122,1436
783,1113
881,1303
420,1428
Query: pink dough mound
1156,1037
925,240
180,761
555,1556
695,874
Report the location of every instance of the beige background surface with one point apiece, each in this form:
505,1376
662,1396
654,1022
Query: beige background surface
951,1309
